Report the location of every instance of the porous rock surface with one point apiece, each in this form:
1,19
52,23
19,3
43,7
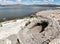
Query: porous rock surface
39,29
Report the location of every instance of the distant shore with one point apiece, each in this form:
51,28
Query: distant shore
43,5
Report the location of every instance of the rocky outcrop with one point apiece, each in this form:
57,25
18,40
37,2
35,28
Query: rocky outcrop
40,29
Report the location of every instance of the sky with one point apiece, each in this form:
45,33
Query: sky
30,2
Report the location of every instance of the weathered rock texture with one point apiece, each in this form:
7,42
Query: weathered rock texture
40,29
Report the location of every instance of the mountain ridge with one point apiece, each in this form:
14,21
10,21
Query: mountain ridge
43,5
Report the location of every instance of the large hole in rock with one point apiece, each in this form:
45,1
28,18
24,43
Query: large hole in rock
44,24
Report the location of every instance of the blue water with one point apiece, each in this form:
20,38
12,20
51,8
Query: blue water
11,12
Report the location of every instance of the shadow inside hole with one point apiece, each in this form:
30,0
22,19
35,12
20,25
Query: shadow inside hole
45,42
44,24
27,23
18,42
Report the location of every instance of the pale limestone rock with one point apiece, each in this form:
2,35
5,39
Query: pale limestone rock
37,30
9,31
55,41
31,36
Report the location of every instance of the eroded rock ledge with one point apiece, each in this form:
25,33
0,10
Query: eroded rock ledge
39,29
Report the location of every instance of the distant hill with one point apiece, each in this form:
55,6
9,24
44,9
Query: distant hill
12,5
46,5
43,5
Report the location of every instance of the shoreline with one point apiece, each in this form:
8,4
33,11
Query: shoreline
33,14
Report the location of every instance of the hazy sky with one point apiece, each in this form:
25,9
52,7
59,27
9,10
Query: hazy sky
30,1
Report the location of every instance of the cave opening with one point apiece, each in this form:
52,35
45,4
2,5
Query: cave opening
44,24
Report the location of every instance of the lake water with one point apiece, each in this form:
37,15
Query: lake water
13,12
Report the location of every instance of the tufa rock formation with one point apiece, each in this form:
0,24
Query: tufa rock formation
40,29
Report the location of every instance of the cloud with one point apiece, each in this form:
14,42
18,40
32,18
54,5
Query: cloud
9,1
26,1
